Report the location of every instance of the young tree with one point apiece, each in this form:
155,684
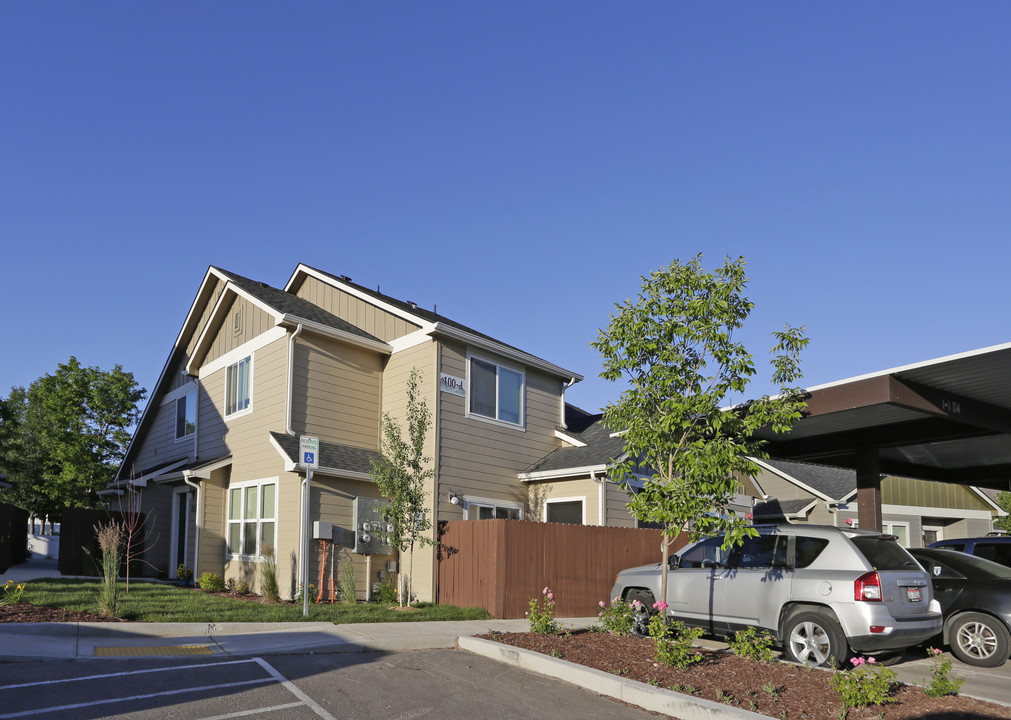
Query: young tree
400,474
676,349
1004,501
73,432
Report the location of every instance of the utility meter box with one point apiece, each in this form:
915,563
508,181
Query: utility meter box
322,530
371,531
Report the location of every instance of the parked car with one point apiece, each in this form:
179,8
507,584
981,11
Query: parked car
995,547
975,597
819,591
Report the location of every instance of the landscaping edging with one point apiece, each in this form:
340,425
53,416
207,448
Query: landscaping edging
654,699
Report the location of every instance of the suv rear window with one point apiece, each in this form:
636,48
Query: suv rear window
883,554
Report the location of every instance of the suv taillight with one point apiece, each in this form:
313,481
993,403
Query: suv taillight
867,588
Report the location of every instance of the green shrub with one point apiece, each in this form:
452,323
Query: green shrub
940,684
866,684
618,617
211,581
749,644
386,594
677,651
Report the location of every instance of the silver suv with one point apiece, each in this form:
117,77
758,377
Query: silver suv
820,591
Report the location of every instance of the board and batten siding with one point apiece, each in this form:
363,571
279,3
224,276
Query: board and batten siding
242,322
336,391
482,459
373,320
922,493
395,376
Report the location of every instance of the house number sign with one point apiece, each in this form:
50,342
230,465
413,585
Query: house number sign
452,384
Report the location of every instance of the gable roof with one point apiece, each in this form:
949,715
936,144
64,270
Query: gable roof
429,321
824,481
597,448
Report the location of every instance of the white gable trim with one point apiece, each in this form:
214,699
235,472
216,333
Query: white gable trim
566,438
247,348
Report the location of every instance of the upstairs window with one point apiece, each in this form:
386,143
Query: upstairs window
496,392
186,415
238,386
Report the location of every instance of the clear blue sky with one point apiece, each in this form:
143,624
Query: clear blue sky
519,164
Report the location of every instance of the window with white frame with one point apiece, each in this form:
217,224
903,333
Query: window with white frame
496,391
483,509
565,510
238,386
186,415
252,518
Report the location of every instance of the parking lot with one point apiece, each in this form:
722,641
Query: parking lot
405,685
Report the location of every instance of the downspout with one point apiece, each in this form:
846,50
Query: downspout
187,474
291,377
600,496
561,408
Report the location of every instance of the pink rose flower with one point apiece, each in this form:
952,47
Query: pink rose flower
602,604
544,591
551,596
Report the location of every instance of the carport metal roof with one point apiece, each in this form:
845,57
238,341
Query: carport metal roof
947,419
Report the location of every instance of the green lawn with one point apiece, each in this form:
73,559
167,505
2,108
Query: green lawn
157,602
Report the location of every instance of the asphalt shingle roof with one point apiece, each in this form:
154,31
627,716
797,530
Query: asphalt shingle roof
293,305
777,509
331,455
834,482
600,448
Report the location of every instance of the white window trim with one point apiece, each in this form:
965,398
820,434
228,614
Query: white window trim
469,500
889,524
521,425
275,481
196,415
246,410
939,529
175,531
553,501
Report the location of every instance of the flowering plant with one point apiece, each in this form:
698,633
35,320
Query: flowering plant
677,651
618,617
940,684
867,684
542,613
12,593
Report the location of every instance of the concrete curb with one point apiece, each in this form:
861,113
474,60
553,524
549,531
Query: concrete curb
654,699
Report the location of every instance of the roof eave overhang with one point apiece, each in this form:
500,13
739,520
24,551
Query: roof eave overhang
562,473
341,473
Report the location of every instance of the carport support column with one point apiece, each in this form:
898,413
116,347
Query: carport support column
869,488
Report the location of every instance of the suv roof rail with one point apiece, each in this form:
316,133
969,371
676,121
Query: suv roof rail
998,533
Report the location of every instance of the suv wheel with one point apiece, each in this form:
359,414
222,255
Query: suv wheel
815,639
640,622
979,639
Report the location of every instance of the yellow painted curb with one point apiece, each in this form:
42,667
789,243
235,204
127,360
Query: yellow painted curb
153,650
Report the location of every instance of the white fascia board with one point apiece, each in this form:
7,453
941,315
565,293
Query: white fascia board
1001,512
561,473
438,327
335,334
565,437
795,481
181,391
291,467
412,339
204,472
177,347
914,366
248,348
205,335
511,353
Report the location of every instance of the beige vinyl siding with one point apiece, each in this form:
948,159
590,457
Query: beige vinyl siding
252,322
373,320
212,518
156,534
159,445
583,489
780,489
246,437
336,390
482,458
616,510
394,394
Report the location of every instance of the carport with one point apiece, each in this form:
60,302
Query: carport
946,420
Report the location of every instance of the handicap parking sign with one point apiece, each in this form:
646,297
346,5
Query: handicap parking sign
308,451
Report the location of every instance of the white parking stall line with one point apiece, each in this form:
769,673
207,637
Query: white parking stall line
108,701
294,690
257,711
120,674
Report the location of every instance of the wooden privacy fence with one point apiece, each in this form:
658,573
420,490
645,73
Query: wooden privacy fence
79,550
501,564
13,536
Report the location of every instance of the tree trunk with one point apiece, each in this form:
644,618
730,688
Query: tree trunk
665,544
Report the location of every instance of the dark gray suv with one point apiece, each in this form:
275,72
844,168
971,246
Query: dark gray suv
820,591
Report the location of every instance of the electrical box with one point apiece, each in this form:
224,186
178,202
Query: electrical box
391,566
371,530
322,530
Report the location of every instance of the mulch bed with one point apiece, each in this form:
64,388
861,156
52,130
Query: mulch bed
779,689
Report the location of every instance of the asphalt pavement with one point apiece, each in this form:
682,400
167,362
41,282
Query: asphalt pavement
35,642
